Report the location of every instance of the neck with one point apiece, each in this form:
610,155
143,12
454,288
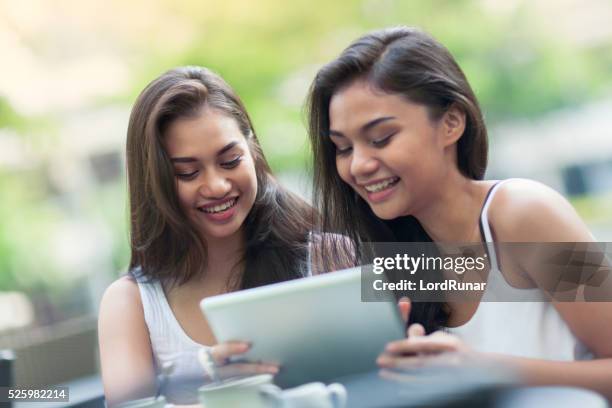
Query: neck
223,256
451,212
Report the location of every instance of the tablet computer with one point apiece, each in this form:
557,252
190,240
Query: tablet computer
315,328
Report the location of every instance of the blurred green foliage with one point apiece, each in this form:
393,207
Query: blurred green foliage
269,51
28,217
516,68
8,117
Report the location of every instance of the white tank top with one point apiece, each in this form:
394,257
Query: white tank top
525,329
172,345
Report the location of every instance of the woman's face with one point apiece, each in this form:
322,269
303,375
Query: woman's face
215,172
387,149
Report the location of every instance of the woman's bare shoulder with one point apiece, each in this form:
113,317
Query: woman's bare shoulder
528,211
121,306
124,291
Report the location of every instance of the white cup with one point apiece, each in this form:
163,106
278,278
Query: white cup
149,402
309,395
237,393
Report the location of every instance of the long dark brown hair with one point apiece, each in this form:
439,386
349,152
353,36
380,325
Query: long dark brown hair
165,246
410,63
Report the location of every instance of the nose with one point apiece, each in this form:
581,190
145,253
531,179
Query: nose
213,185
362,163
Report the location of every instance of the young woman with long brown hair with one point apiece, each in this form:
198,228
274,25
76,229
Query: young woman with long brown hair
400,152
206,217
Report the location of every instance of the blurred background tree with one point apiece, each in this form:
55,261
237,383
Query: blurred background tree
72,69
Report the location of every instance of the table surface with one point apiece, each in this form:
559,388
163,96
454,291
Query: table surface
477,386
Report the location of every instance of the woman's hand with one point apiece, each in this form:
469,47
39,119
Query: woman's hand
419,349
219,361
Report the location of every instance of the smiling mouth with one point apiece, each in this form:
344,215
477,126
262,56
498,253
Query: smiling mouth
381,185
219,208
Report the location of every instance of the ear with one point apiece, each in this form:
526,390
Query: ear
453,125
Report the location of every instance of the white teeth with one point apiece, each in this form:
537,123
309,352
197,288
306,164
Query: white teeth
219,208
373,188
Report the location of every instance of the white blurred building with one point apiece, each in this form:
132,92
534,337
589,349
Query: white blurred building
569,150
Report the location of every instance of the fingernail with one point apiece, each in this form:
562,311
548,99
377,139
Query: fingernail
274,369
390,347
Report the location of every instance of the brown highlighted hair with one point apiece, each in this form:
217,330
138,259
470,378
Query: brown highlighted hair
402,61
164,244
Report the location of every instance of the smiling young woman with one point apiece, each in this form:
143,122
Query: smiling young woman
206,217
400,152
216,180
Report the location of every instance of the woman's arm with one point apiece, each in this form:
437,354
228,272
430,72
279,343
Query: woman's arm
535,213
125,349
443,348
595,375
526,211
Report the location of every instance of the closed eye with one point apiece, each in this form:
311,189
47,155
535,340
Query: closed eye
232,163
384,141
339,150
343,152
186,176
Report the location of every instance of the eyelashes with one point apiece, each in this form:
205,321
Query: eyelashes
232,163
378,143
343,152
186,176
384,141
228,165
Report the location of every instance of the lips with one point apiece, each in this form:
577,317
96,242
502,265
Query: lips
381,185
381,189
218,206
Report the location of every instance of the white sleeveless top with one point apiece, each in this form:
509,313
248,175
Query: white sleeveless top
172,345
520,328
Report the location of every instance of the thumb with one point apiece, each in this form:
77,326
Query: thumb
415,330
404,306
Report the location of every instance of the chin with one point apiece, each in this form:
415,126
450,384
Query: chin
220,232
217,232
386,213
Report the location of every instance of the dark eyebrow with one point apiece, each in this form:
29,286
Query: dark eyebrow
182,159
224,149
375,122
227,147
365,127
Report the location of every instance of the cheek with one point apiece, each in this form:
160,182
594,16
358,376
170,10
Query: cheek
253,184
180,192
185,195
249,177
343,166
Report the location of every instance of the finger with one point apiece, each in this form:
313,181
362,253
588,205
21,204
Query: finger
221,352
394,362
424,344
416,330
243,369
392,375
391,361
404,306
